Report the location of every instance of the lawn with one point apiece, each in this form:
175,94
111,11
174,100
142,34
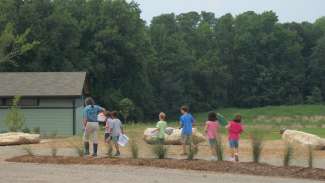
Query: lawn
269,120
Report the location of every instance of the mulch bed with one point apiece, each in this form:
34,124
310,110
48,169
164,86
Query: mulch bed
201,165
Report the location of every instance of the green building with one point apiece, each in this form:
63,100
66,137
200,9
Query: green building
52,101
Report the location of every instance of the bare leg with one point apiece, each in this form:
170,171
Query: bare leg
236,154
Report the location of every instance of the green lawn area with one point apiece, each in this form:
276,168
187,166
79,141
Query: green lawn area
268,120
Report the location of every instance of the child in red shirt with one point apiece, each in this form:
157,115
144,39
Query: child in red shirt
235,128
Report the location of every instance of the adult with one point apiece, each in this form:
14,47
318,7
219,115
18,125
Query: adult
90,124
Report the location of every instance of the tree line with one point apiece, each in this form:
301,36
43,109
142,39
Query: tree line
193,58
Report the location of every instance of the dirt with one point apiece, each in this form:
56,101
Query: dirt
201,165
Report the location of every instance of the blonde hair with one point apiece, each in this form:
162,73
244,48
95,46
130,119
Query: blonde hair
162,116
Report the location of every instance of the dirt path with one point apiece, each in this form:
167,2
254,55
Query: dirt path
33,173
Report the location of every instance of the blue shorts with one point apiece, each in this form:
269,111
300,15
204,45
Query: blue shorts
233,143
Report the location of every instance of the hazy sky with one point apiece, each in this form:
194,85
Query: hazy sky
287,10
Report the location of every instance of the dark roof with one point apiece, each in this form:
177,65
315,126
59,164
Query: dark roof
41,83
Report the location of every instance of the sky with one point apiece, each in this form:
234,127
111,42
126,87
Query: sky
287,10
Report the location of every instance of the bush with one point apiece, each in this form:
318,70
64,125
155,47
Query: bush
134,149
54,148
160,151
28,150
15,118
37,130
288,153
26,130
192,152
110,150
310,156
219,149
315,97
77,145
257,138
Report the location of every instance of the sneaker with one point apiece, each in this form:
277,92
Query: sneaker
117,154
232,159
94,155
213,158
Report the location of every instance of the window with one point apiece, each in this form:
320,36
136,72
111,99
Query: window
25,102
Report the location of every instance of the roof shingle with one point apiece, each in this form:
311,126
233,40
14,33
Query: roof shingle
41,83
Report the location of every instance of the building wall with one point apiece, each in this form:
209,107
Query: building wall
52,116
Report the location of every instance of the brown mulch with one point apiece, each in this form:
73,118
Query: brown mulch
201,165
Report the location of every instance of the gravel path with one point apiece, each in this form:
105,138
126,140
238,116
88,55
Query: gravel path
33,173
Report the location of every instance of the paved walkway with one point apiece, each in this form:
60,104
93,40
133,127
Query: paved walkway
35,173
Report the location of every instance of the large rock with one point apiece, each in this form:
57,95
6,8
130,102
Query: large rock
172,136
304,139
17,138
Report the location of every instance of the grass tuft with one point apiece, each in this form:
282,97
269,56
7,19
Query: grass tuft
288,154
160,151
310,157
133,146
219,149
257,138
28,150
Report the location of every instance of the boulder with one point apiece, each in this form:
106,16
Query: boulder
304,139
17,138
172,136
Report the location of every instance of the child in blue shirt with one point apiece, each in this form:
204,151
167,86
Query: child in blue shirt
186,122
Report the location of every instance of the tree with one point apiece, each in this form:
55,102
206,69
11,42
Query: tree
315,97
126,106
15,119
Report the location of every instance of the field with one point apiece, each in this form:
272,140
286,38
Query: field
269,120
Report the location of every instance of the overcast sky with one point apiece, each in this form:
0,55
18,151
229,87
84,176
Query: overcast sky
287,10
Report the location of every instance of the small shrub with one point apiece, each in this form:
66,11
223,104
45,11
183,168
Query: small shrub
54,148
134,149
288,153
193,150
310,156
219,149
110,150
78,147
37,130
257,138
15,119
26,130
160,151
28,150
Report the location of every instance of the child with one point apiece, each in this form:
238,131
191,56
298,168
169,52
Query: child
116,130
235,128
107,127
161,127
212,131
186,122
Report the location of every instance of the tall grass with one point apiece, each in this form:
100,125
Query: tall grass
28,150
219,149
160,151
110,150
133,146
288,154
257,138
77,145
310,156
192,151
54,148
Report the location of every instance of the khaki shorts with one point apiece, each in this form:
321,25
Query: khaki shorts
186,139
91,130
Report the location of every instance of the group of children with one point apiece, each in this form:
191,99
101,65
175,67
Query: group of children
211,129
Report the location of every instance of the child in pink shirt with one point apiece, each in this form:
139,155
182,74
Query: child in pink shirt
212,131
235,128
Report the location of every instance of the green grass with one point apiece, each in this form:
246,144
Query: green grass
307,118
